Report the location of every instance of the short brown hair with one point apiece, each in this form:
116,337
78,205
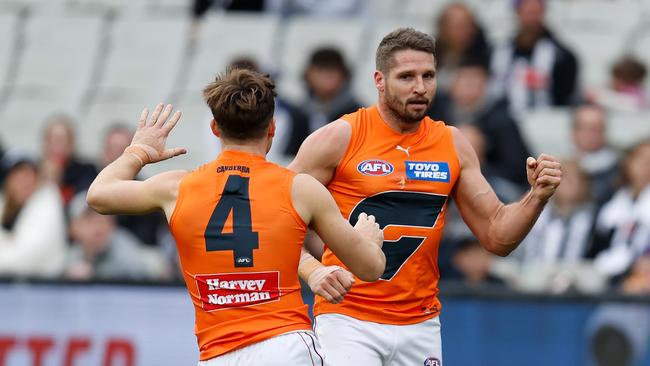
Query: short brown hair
629,70
242,102
399,40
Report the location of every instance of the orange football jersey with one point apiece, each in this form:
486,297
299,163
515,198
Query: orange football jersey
404,180
239,239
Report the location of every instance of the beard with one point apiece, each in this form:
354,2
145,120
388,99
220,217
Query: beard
403,111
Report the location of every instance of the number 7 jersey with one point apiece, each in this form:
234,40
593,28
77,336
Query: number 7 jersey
404,181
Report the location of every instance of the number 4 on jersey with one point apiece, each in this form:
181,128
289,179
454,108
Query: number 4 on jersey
242,240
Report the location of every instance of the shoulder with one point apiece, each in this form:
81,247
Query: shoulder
166,185
304,185
338,132
464,150
307,196
324,148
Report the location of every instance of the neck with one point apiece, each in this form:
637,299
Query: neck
394,121
256,148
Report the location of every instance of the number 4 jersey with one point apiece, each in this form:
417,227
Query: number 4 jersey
404,180
239,239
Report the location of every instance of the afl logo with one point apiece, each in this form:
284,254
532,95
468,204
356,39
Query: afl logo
432,361
375,167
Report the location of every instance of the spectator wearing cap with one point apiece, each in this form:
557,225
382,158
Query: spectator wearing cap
104,251
329,94
534,69
33,235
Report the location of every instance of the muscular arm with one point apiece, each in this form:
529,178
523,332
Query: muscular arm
115,191
322,151
318,156
359,248
500,228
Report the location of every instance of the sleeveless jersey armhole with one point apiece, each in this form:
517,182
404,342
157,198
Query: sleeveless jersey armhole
179,201
348,150
288,186
450,133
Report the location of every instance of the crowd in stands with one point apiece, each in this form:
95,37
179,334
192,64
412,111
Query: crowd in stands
594,235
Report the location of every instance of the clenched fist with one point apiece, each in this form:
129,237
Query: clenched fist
544,175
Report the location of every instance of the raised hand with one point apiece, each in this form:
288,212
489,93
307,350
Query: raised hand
148,143
544,175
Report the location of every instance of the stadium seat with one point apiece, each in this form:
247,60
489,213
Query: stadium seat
596,47
429,9
224,37
303,35
621,14
143,60
626,129
58,58
8,32
498,20
34,6
120,8
548,131
382,8
23,121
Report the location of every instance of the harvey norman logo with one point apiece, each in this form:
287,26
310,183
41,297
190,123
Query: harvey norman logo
375,167
232,290
436,171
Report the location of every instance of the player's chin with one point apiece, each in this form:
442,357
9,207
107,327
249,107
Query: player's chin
415,112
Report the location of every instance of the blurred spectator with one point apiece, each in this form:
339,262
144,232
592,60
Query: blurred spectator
33,235
456,231
562,234
200,7
59,162
534,69
102,250
597,159
458,37
327,79
623,225
469,102
626,91
637,282
282,7
286,116
149,229
504,189
472,263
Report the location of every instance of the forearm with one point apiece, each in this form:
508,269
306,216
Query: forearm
511,223
307,265
101,191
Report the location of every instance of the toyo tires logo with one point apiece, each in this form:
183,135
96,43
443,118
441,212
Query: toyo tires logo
375,167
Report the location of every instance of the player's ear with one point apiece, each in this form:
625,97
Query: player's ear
214,128
379,80
271,131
